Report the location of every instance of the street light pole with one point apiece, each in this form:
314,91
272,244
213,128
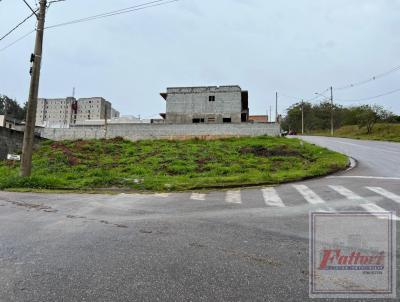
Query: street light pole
276,108
5,112
332,109
270,114
302,117
29,133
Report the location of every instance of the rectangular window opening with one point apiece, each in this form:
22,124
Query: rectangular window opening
198,120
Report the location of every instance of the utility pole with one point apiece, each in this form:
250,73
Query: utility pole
302,117
332,124
276,108
29,133
270,114
105,121
5,112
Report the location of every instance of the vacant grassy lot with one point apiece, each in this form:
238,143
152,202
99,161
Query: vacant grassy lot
381,132
171,165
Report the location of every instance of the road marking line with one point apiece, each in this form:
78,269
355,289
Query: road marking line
233,197
309,194
367,147
198,196
327,210
271,198
385,193
375,210
162,195
346,193
369,207
366,177
312,198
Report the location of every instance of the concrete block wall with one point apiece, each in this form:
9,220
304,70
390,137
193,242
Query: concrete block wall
11,142
136,132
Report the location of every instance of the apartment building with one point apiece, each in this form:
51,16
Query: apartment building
65,112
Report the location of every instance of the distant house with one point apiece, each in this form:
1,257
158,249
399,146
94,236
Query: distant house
10,122
258,118
210,105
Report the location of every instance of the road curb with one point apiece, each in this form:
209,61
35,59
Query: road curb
352,164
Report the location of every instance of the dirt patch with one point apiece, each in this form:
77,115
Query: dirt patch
80,144
11,163
72,160
204,161
117,139
267,152
201,164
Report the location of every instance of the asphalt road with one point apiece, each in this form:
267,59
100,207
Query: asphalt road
238,245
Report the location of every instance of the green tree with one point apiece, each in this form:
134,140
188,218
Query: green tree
292,121
318,116
14,110
369,115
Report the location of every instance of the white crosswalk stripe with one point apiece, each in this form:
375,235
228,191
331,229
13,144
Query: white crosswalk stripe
369,207
198,196
385,193
312,198
346,193
233,197
271,198
375,210
309,195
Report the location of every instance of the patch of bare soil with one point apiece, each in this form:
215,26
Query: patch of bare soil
267,152
72,160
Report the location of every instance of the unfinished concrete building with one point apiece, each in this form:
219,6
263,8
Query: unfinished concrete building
209,105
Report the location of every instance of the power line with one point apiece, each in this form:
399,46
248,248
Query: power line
28,5
356,84
114,13
16,41
15,27
121,10
289,96
372,97
345,100
374,78
103,15
318,95
313,98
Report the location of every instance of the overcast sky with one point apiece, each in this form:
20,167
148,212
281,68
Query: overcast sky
296,47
